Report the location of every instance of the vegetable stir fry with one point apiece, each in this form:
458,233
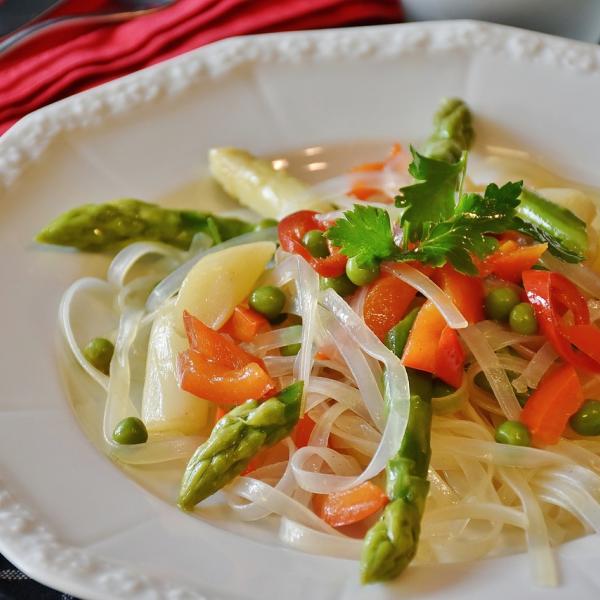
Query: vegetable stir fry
406,367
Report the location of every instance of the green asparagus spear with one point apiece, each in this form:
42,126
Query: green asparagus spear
235,439
100,227
543,220
548,222
391,543
453,131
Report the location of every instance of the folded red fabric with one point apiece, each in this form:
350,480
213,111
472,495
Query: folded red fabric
63,62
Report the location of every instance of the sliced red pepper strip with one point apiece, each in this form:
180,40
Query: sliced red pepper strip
421,347
449,358
547,411
551,295
214,346
466,292
216,369
350,506
244,324
291,231
386,303
302,431
220,384
585,337
509,263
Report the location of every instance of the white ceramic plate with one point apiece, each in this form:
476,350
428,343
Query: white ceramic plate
69,517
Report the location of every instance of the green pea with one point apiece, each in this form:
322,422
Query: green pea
130,430
397,336
99,353
420,384
500,301
266,224
441,389
513,433
316,243
586,421
289,350
268,300
342,285
522,319
360,274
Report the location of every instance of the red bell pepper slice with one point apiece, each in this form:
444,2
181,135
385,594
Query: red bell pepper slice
449,358
221,384
350,506
386,303
291,231
421,347
508,263
216,369
214,346
466,292
244,324
547,411
302,431
551,295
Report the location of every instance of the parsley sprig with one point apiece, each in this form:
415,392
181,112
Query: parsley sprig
439,224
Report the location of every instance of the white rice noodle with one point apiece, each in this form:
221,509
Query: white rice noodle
159,448
571,497
345,470
275,501
344,394
542,559
496,375
358,301
344,475
581,275
307,290
275,338
577,452
487,511
395,377
85,285
135,292
284,365
532,374
171,284
293,268
367,381
448,446
305,538
323,425
498,337
430,290
354,436
252,510
125,260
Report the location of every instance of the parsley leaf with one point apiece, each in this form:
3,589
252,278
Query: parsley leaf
463,235
365,233
432,199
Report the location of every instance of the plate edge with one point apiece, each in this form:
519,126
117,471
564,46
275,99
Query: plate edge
26,141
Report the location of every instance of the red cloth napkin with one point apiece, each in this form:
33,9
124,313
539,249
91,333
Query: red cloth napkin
63,62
